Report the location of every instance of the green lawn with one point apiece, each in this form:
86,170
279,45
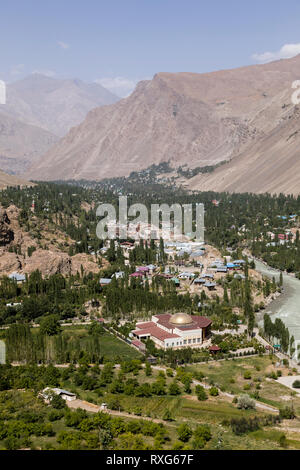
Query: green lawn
113,348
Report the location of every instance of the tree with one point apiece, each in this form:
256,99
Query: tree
281,279
50,325
283,441
95,329
148,369
202,435
225,297
184,432
174,388
58,402
200,392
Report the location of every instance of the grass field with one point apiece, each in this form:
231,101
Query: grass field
114,348
111,347
229,376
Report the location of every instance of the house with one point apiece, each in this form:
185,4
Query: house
143,269
119,275
222,269
137,274
210,285
19,278
151,268
127,245
174,331
207,276
176,281
186,275
164,275
48,393
139,345
197,254
231,266
151,359
104,281
198,280
214,349
239,276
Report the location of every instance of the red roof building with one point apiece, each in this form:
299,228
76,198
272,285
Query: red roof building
174,331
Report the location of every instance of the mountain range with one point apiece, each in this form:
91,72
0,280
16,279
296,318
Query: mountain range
244,116
39,111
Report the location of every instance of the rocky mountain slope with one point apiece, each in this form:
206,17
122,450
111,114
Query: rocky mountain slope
271,165
38,111
21,144
47,257
193,119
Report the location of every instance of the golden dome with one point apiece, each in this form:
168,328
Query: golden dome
181,319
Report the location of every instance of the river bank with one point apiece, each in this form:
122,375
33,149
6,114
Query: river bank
287,305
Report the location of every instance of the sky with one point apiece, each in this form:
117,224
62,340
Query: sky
119,42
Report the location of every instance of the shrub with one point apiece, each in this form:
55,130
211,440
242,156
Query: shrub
245,402
296,384
167,415
55,415
247,375
213,391
287,413
242,425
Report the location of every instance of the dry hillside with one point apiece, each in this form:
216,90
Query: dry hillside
244,115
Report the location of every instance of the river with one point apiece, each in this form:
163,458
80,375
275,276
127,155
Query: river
287,305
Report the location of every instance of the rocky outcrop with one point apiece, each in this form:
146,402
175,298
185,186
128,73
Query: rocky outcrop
85,261
50,262
47,261
9,263
6,234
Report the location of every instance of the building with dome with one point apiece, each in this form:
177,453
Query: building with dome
174,331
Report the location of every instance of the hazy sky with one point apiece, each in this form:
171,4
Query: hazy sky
119,42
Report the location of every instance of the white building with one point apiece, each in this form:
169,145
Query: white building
174,331
48,393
